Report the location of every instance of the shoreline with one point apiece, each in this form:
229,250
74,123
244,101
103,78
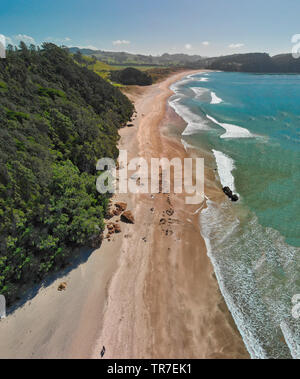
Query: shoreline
165,303
151,291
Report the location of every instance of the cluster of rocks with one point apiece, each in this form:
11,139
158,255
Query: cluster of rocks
118,209
113,228
230,194
127,217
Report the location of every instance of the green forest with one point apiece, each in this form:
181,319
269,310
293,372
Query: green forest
131,76
57,119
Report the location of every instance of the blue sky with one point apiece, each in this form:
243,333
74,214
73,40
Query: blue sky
215,27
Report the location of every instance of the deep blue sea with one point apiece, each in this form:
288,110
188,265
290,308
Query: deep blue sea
250,124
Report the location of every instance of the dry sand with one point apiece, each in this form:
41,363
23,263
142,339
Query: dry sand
148,293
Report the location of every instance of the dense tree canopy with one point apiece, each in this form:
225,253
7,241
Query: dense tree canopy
131,76
57,119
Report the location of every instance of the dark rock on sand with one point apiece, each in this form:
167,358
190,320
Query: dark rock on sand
119,208
109,215
117,212
121,205
113,228
227,191
110,227
128,217
235,198
62,286
230,194
117,228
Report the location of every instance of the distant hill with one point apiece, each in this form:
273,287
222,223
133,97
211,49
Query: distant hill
286,63
253,62
122,58
116,77
127,74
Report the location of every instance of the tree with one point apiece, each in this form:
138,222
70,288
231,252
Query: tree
57,119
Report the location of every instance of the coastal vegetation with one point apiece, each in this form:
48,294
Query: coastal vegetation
100,68
131,76
57,119
116,75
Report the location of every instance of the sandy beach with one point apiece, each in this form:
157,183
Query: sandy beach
149,292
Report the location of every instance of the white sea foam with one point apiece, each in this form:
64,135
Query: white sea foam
191,76
215,99
203,80
232,131
199,91
235,251
195,123
292,339
175,87
207,216
225,167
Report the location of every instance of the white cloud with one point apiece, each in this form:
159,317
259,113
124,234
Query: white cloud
121,42
205,43
188,46
236,45
27,39
68,39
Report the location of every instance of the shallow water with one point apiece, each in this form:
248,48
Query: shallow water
251,123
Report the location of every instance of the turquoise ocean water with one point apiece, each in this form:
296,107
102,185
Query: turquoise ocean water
251,125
